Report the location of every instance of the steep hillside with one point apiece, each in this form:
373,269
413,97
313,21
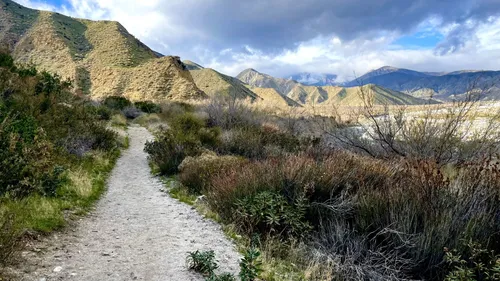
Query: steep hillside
192,65
375,94
256,79
270,97
100,56
442,86
214,83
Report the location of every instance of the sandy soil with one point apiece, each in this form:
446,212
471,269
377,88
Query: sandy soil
136,232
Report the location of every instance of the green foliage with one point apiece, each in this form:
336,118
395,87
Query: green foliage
271,213
203,262
221,277
104,113
49,84
46,133
250,265
7,232
6,60
166,152
187,136
476,263
148,107
116,102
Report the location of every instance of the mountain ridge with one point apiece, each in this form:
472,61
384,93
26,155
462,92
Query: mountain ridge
317,95
102,57
444,86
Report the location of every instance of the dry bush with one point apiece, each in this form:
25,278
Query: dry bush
232,113
195,172
444,133
9,237
375,219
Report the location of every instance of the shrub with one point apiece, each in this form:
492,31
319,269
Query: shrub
196,172
202,262
104,113
186,137
131,112
117,102
9,235
147,107
250,265
258,142
271,213
229,114
170,110
165,152
475,264
6,60
27,166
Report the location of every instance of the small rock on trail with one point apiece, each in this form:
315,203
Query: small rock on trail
135,233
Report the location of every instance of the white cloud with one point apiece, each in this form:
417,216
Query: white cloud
279,39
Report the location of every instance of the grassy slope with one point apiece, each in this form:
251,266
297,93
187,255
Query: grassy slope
214,83
100,56
273,98
15,21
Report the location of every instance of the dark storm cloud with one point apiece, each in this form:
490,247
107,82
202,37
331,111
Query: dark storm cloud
274,25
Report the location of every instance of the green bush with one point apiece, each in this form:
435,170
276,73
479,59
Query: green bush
6,60
166,152
271,213
148,107
187,136
104,113
476,263
202,262
116,102
250,265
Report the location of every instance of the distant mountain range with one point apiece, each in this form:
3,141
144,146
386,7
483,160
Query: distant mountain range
326,95
440,85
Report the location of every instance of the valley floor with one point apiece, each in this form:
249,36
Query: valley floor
135,233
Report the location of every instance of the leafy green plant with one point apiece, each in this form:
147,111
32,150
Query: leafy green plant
117,102
148,107
476,263
203,262
250,265
221,277
186,137
268,212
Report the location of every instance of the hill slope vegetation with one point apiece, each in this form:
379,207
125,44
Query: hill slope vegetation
100,56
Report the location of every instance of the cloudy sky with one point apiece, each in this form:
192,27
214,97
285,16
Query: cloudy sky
283,37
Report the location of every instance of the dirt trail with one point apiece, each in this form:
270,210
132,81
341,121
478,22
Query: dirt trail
135,233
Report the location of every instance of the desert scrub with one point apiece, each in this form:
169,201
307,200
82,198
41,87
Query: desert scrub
187,136
55,152
195,172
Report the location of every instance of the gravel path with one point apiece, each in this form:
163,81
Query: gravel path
135,233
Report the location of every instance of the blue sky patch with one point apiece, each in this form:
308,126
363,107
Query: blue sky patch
419,40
